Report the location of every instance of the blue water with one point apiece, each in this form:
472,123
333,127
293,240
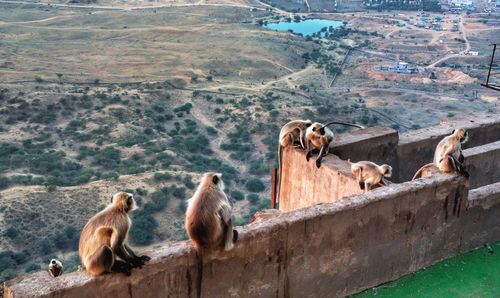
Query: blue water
306,27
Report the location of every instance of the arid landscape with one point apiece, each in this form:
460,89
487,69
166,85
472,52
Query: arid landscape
146,96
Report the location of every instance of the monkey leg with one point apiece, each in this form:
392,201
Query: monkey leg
308,150
368,187
121,267
461,169
137,261
235,236
362,184
450,164
101,261
461,158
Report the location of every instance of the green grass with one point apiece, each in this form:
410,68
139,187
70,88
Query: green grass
473,274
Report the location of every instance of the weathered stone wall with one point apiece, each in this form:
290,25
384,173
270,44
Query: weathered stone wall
483,164
327,250
482,223
303,184
377,144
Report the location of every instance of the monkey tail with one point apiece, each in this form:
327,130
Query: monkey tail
199,282
418,174
342,123
280,162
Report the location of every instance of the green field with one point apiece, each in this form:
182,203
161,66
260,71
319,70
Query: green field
473,274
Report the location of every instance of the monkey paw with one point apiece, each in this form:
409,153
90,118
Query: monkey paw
318,163
122,268
308,156
139,261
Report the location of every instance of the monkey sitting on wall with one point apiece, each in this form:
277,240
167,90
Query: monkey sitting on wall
55,268
104,238
370,175
208,216
448,157
319,136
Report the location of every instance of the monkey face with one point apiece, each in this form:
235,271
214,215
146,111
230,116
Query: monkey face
55,267
465,136
125,200
461,134
316,127
387,170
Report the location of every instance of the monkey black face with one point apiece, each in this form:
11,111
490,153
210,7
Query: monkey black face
217,180
55,268
465,137
387,171
124,200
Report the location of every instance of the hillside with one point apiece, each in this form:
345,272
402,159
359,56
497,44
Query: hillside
96,99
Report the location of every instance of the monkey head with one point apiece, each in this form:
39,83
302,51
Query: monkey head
386,170
55,268
214,179
317,128
124,201
461,134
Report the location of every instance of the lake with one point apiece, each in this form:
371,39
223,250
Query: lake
306,27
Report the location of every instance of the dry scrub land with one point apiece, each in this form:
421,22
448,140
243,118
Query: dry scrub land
101,98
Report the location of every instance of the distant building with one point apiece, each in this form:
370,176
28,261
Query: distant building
400,67
459,3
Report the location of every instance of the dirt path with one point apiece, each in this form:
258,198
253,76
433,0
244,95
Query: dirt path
461,54
218,140
256,88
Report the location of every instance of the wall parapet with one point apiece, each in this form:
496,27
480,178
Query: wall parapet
329,249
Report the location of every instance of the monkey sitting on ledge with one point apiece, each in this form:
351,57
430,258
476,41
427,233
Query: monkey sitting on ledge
104,238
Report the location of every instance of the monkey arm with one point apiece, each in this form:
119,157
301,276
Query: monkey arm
322,152
303,140
448,150
227,226
117,245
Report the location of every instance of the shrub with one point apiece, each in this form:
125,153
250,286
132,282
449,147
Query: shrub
142,231
32,267
237,195
162,176
188,182
255,185
253,198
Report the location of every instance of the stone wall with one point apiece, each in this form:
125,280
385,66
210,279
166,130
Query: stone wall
483,164
326,250
303,184
482,223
